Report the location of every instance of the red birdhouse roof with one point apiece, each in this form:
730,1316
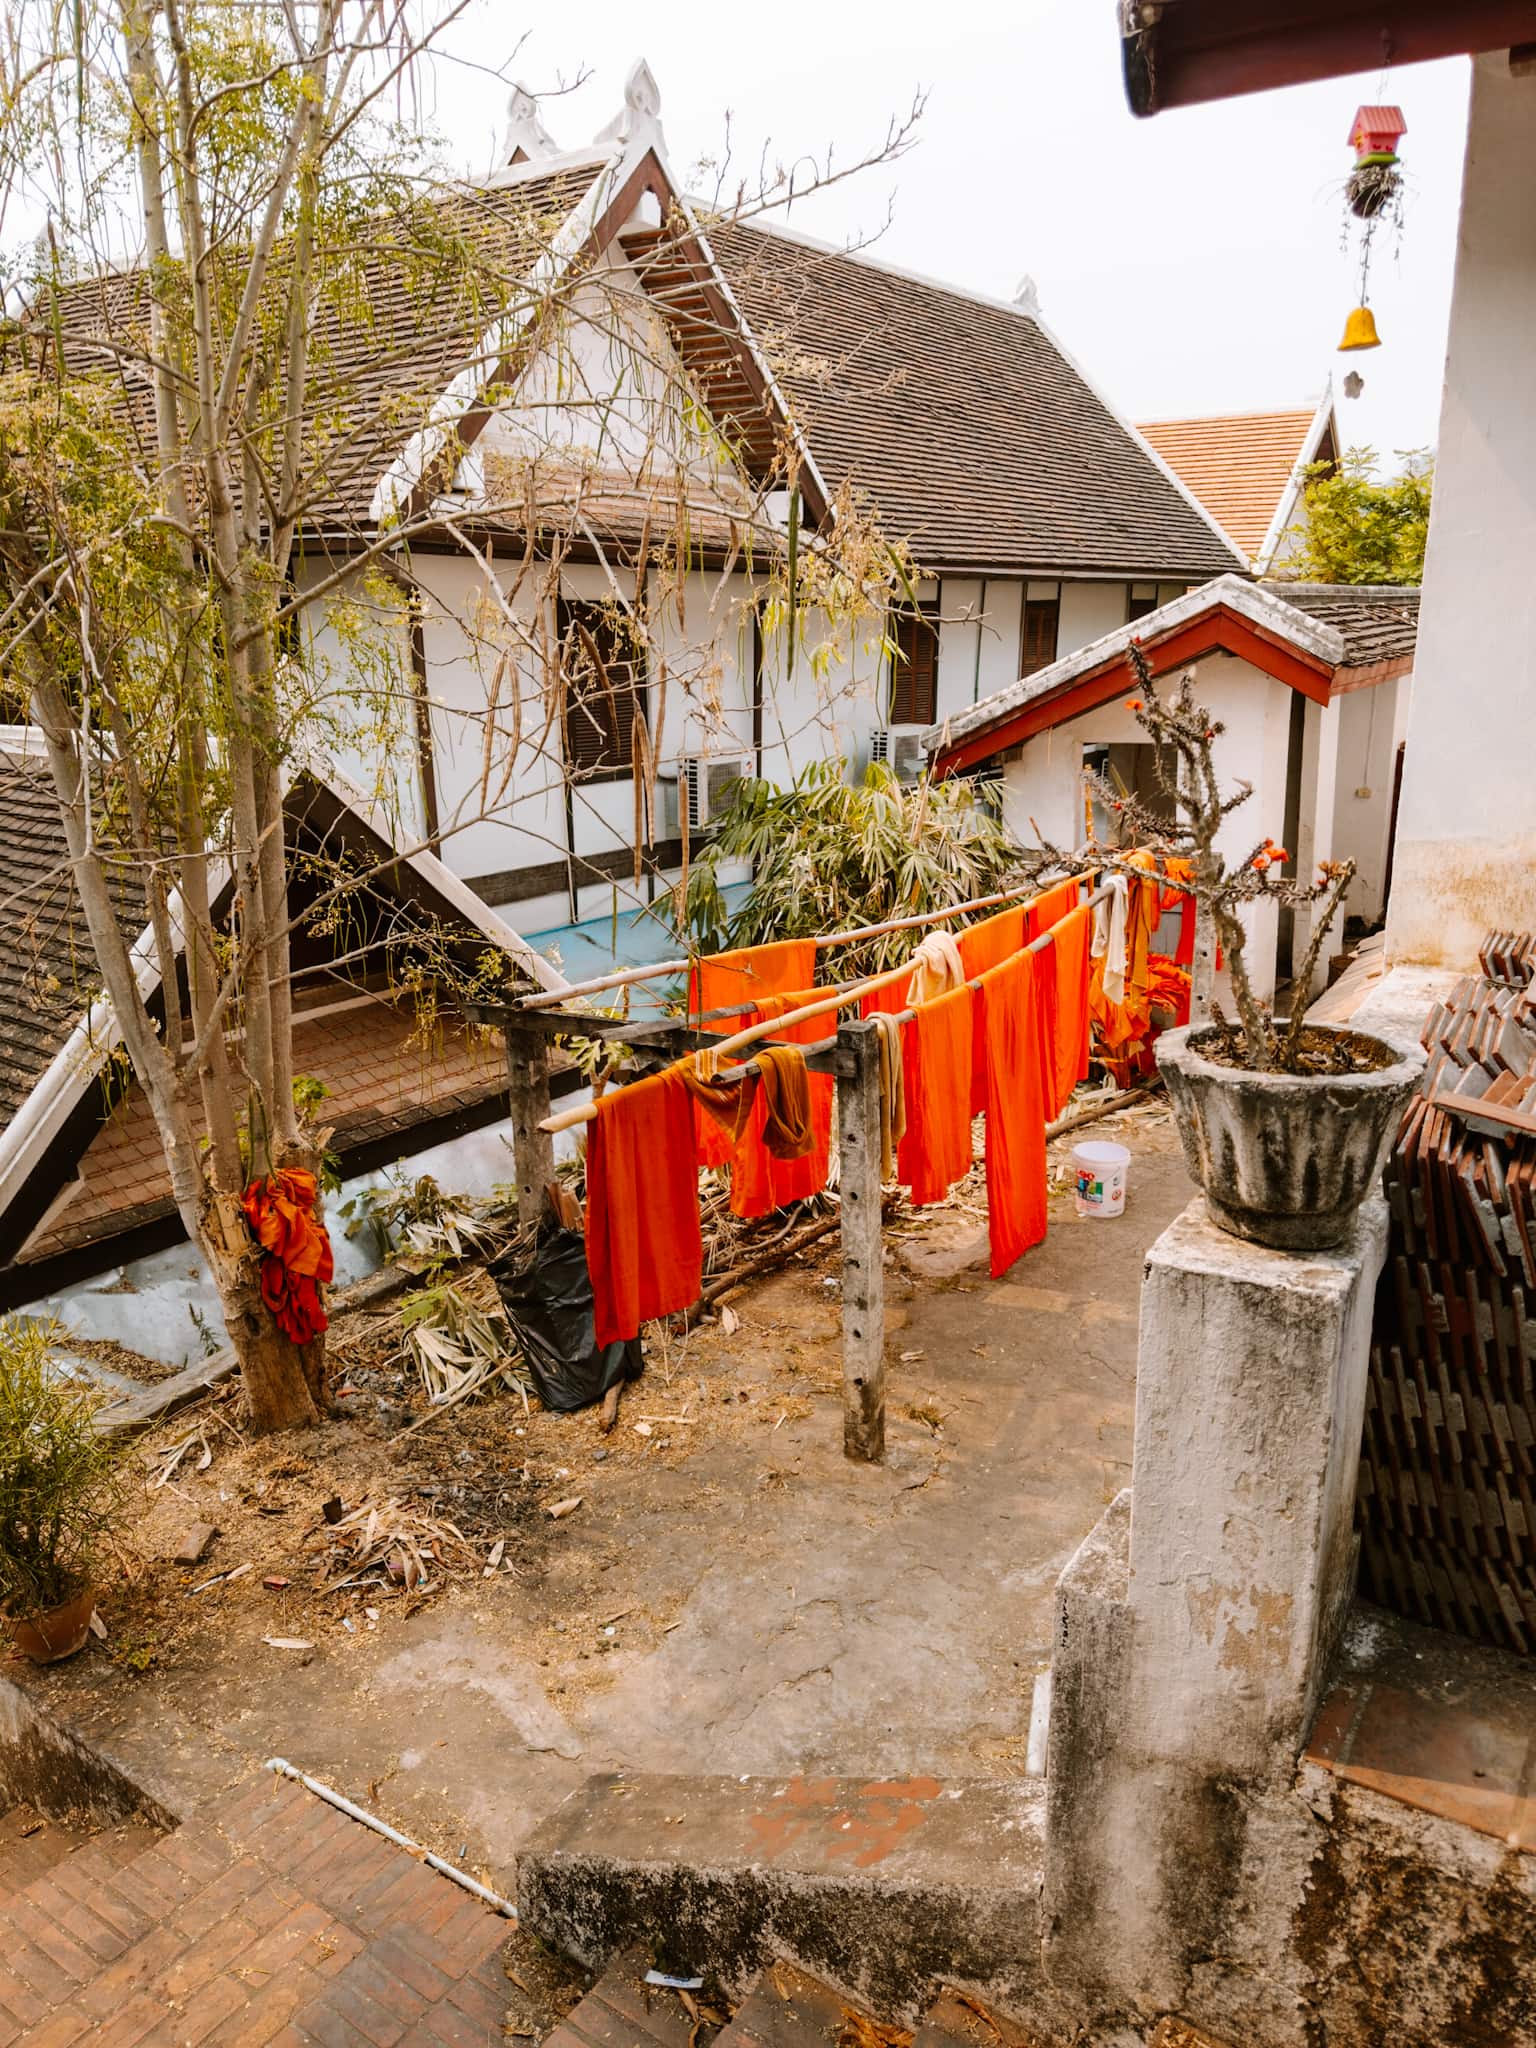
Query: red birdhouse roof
1377,127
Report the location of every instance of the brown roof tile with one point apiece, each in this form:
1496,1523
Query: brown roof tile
978,441
1239,466
1378,621
48,972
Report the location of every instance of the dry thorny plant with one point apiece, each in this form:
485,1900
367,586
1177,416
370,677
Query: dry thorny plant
1186,829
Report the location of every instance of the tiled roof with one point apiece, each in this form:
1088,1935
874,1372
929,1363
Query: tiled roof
1377,621
382,1079
1239,466
47,969
978,441
1338,627
392,333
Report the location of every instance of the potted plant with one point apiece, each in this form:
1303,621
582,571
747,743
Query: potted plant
1284,1124
60,1492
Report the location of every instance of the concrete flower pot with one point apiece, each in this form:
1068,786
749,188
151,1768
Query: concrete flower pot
1283,1159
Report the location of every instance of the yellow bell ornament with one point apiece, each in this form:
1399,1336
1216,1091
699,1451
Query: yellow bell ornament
1360,330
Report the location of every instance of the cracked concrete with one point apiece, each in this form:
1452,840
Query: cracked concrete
757,1604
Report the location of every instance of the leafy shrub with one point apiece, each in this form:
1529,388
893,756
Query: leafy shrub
60,1476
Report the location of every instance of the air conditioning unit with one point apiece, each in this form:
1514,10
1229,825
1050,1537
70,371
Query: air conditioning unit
901,752
702,790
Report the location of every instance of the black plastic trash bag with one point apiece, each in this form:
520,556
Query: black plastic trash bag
548,1300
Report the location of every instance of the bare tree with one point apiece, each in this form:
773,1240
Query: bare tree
200,372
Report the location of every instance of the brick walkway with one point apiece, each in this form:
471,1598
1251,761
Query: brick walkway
271,1918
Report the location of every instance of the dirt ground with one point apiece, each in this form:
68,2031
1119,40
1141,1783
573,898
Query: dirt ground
730,1594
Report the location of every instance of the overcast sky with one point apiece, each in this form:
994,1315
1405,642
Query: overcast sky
1192,263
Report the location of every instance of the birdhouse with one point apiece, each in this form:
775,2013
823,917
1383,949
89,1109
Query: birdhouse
1376,133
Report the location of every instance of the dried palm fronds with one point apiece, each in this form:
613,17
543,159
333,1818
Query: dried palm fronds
393,1545
459,1343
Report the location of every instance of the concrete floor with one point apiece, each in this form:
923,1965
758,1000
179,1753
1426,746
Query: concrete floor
758,1604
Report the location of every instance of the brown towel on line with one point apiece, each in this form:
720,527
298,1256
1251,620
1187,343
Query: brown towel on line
728,1098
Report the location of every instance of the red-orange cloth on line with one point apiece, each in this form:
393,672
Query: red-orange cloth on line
1050,908
297,1260
1070,941
1016,1201
895,997
759,1182
645,1251
1043,1035
719,981
936,1052
992,941
982,947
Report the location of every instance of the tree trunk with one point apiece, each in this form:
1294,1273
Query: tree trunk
282,1384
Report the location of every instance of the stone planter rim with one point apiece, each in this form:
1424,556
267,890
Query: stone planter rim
1175,1048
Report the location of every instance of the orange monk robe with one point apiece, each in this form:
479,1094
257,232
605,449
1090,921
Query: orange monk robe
984,946
1016,1193
759,1182
937,1050
721,981
1050,908
1071,939
645,1250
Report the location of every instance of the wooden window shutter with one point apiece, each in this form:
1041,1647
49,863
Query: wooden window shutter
915,670
603,690
1042,624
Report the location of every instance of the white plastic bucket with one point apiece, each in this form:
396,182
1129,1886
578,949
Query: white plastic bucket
1099,1172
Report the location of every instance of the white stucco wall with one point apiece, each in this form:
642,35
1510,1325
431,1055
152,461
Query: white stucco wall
1466,850
1369,726
1043,787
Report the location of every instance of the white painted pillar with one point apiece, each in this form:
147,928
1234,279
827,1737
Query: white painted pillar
1466,838
1195,1625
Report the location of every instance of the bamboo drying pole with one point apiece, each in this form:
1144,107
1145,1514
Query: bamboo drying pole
624,977
851,992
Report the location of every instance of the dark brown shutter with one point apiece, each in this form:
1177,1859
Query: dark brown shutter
915,671
602,690
1042,622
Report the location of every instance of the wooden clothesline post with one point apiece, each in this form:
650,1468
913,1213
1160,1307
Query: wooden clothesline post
858,1139
533,1149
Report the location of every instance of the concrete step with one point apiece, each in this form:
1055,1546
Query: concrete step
788,2008
885,1889
623,2011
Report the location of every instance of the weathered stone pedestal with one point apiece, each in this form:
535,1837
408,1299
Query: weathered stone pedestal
1195,1624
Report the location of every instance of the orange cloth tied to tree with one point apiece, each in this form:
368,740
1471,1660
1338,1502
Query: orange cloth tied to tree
297,1260
746,977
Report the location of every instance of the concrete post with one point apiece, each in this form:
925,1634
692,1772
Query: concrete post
1195,1629
533,1150
858,1127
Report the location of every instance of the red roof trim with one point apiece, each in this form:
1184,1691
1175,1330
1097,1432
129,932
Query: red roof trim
1218,631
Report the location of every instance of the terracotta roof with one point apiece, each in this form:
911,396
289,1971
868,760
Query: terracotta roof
1239,465
979,442
1377,621
48,972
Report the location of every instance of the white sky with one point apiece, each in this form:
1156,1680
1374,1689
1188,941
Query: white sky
1192,263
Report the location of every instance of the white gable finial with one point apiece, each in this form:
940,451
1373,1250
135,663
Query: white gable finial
640,119
526,135
1027,295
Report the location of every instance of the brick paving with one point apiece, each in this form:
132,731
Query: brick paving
270,1918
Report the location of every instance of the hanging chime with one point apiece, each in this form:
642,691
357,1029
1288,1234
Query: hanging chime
1374,188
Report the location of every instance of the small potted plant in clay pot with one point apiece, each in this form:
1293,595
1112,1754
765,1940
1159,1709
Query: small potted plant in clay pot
60,1494
1284,1124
